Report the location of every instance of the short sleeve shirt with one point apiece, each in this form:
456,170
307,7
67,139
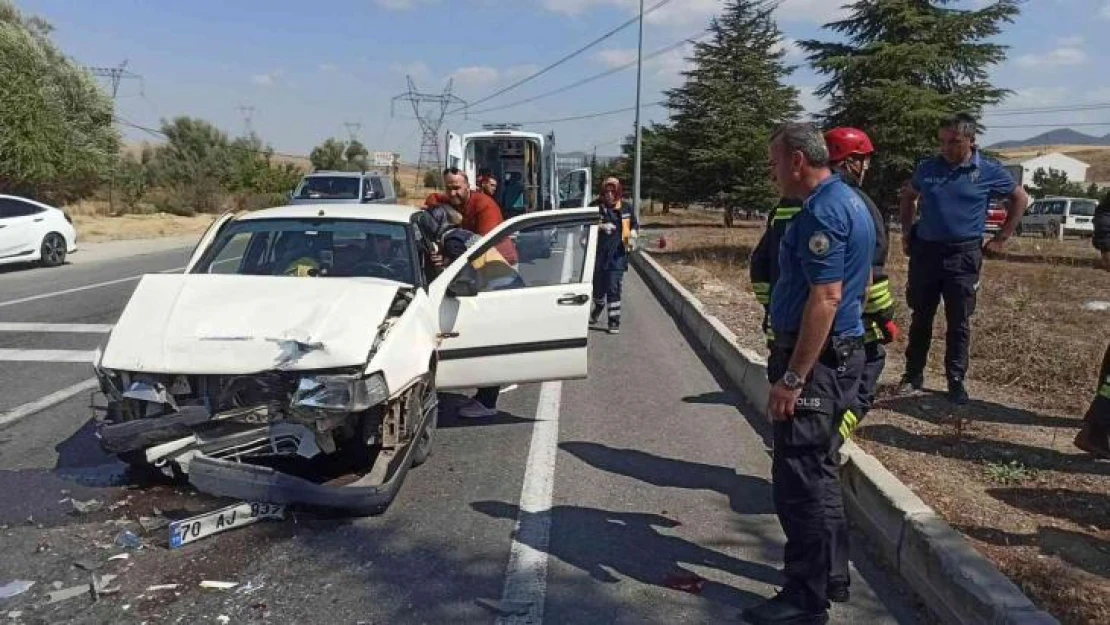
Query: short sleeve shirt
831,240
953,199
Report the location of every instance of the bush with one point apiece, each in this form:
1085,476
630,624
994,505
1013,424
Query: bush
258,201
433,179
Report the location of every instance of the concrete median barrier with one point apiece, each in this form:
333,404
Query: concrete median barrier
957,583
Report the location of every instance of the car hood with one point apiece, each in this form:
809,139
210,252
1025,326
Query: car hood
233,324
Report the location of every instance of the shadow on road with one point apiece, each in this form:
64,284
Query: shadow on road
631,545
746,494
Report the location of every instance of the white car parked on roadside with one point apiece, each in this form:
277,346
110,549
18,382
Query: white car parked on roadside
306,343
31,232
1057,216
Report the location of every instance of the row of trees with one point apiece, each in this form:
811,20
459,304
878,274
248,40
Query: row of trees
1055,182
59,141
895,68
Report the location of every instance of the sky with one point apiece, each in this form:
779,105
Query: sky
309,68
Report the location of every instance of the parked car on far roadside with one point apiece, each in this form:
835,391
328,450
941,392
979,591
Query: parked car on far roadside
344,187
33,232
1057,216
996,214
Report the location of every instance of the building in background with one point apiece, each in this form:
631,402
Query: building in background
1023,169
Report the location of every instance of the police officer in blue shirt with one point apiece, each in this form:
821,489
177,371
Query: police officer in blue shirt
951,191
815,363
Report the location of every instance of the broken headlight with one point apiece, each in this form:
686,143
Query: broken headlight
347,393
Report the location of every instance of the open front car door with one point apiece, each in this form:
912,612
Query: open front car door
504,320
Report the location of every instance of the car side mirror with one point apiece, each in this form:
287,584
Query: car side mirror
465,284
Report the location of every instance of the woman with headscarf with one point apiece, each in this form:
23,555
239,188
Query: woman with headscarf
616,237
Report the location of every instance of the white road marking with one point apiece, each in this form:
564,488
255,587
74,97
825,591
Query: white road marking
70,328
526,574
57,397
78,289
47,355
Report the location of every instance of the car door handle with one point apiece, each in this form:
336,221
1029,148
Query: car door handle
573,300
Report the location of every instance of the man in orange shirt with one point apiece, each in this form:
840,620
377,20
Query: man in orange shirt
480,215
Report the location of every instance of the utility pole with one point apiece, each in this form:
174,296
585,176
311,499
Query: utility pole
430,109
638,158
248,114
352,130
115,75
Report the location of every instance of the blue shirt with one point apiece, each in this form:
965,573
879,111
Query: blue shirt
953,199
831,240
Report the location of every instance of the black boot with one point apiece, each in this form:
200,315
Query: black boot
957,392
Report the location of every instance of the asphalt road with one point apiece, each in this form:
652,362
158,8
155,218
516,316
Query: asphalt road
581,502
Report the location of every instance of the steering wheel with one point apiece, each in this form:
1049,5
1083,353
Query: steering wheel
368,267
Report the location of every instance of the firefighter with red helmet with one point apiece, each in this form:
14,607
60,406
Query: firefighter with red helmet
850,151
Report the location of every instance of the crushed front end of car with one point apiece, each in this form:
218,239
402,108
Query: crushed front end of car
291,431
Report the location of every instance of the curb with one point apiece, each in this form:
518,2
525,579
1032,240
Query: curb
957,583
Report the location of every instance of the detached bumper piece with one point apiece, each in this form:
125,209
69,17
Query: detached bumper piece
367,496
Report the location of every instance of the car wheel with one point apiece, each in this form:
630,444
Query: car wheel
53,250
429,405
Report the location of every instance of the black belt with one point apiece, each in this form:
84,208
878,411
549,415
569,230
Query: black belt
787,341
961,245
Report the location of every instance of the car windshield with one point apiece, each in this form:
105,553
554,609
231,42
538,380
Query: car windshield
328,188
1083,209
337,248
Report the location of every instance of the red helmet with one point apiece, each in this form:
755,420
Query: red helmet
847,142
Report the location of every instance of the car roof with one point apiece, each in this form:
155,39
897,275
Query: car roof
343,174
398,213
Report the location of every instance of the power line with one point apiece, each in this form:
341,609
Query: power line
595,77
430,109
584,116
566,58
1050,109
1057,125
248,114
117,74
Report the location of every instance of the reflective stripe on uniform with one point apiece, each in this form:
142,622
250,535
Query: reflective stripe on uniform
785,214
762,292
879,297
872,332
848,424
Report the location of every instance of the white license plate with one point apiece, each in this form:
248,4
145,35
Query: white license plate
185,531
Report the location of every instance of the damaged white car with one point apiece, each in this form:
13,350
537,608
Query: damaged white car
312,336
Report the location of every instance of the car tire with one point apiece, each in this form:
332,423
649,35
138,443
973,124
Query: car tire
52,251
427,438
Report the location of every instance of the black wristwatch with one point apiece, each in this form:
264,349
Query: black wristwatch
792,381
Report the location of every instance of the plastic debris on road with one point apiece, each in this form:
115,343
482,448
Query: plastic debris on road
223,619
120,556
686,582
128,540
1097,306
65,594
16,587
85,507
214,585
158,587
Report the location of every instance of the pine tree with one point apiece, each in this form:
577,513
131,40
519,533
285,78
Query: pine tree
905,65
731,102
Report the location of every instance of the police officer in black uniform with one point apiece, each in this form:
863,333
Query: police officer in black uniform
951,192
815,365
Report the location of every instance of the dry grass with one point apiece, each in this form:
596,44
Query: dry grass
1035,355
97,228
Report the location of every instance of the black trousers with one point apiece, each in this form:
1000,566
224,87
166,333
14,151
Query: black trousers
805,473
608,284
1098,415
951,271
873,364
487,396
